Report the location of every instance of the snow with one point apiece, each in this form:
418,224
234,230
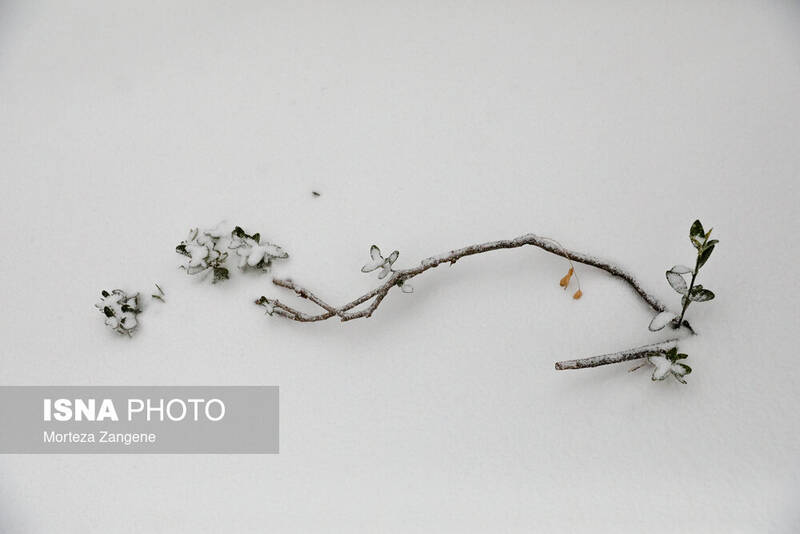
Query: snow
198,255
610,127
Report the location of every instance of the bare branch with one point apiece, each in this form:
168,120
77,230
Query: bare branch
617,357
400,276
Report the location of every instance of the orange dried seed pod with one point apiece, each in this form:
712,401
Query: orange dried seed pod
577,294
565,281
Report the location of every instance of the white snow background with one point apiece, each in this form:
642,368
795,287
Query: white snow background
426,126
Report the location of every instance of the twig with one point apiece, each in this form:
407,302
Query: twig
617,357
400,276
160,295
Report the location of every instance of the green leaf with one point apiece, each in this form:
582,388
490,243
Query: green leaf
686,368
181,249
704,255
257,237
696,234
700,294
681,356
672,353
220,273
677,282
238,232
697,229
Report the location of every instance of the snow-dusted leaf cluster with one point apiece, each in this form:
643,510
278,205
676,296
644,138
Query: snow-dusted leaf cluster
667,364
208,250
661,320
204,253
120,310
377,261
384,266
252,253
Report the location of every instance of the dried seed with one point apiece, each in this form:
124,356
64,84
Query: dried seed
565,281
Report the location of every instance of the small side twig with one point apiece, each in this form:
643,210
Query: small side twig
160,295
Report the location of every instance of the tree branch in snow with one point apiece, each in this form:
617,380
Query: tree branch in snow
663,356
618,357
400,278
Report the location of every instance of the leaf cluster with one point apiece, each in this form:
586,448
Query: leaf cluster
120,310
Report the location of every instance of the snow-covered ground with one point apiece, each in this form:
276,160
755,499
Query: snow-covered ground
424,126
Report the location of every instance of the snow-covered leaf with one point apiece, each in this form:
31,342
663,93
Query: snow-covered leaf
697,229
119,310
217,231
251,252
661,320
704,256
198,254
680,269
677,282
405,287
275,251
385,269
662,367
665,367
196,269
128,321
376,260
255,256
696,234
681,368
700,294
